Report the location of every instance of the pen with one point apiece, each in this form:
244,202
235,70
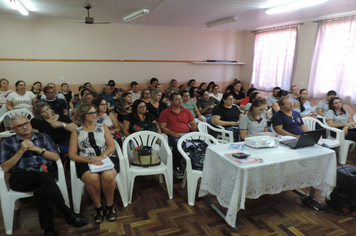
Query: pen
243,146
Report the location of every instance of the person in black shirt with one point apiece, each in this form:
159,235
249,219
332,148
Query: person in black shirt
227,114
155,106
237,93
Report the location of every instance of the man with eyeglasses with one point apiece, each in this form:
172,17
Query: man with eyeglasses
286,121
135,90
175,121
57,95
28,157
59,106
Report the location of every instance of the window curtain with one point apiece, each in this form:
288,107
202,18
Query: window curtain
273,61
334,60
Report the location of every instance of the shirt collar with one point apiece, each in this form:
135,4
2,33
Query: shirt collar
18,138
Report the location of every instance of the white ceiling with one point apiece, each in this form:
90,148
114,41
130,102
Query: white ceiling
250,14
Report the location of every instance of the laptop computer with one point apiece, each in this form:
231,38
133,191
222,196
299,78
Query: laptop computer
306,139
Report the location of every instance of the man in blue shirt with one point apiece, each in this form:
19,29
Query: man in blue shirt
26,156
286,121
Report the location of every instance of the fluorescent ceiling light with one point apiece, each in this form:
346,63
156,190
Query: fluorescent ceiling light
18,6
293,6
221,21
136,15
273,3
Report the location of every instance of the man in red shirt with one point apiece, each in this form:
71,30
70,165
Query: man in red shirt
175,121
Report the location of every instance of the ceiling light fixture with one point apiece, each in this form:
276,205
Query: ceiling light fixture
293,6
136,15
221,21
18,6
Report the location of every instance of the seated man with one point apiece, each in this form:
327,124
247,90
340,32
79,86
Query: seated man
274,97
286,121
191,106
153,83
59,106
175,122
26,156
323,105
57,95
294,93
206,104
135,90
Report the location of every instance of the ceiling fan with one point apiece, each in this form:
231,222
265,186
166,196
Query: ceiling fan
90,20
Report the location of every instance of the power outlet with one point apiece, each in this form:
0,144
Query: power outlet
62,78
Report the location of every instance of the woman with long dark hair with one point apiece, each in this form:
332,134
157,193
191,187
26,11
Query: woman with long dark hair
193,92
303,105
337,117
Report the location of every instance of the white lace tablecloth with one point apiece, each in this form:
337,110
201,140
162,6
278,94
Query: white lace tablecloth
282,169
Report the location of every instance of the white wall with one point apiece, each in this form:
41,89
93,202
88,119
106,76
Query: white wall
46,39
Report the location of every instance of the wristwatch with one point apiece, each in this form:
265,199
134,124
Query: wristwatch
43,151
63,124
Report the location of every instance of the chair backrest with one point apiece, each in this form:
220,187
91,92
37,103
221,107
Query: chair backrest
146,138
311,122
17,112
355,118
224,136
203,127
207,138
273,131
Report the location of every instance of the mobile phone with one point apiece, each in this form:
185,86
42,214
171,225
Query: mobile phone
240,155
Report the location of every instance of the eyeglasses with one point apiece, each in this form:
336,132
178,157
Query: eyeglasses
94,113
103,104
147,93
26,124
142,106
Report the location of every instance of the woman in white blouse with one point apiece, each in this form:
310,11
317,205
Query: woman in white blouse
216,93
21,99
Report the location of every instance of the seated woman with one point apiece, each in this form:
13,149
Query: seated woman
255,121
4,93
281,94
169,91
216,93
146,95
206,104
86,98
107,95
155,106
159,88
254,96
58,127
227,114
105,117
211,86
139,119
37,89
191,106
303,106
337,117
124,106
203,86
20,99
193,92
83,92
91,143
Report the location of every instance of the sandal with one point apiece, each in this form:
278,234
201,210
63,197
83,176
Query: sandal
99,217
111,216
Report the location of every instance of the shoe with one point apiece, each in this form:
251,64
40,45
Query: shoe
99,217
77,220
178,173
50,232
111,216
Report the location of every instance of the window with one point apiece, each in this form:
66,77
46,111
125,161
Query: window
334,60
274,59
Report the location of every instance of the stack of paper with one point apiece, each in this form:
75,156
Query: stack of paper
107,165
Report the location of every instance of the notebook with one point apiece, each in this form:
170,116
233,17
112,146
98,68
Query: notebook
309,138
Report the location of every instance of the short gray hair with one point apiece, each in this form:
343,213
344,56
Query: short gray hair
15,117
154,92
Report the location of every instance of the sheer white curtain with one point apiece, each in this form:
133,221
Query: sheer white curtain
274,59
334,60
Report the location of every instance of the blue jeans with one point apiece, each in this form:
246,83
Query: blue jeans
173,141
236,132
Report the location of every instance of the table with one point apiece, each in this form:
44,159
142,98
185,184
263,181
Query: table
282,169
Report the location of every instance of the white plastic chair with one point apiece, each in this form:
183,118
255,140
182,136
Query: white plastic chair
9,114
9,198
192,176
354,118
78,184
148,138
344,144
311,122
224,136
